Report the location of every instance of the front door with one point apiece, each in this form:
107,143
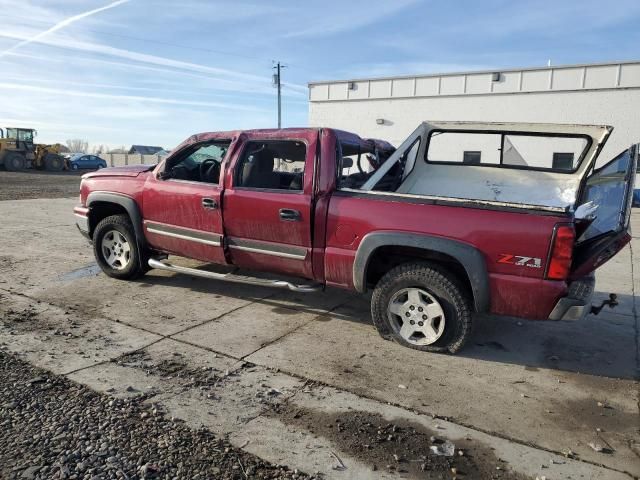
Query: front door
268,206
181,205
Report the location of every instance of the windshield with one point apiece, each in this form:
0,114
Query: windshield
20,134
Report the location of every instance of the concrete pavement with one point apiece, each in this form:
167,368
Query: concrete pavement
528,390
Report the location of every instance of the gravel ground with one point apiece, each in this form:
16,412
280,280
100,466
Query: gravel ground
38,184
53,428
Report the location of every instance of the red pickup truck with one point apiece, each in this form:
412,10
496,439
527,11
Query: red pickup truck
508,219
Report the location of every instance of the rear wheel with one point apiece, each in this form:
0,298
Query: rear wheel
422,306
116,249
53,163
14,162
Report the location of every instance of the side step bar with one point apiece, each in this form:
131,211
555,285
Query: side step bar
229,277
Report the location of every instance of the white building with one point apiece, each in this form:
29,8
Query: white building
391,108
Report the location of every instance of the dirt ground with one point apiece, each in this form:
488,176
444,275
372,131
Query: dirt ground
38,184
305,380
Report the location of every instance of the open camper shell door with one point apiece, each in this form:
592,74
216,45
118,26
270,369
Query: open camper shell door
605,228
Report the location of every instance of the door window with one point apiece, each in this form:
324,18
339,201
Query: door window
200,163
272,165
609,189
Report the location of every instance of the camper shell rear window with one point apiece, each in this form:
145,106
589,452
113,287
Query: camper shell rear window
562,153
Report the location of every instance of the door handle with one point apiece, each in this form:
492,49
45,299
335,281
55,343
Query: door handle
209,204
290,215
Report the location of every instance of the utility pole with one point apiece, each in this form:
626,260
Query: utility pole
276,82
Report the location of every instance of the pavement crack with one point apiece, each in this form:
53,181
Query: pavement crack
191,327
324,312
111,360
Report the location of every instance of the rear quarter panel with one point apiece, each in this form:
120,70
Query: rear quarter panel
516,290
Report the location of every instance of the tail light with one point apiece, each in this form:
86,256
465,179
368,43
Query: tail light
562,243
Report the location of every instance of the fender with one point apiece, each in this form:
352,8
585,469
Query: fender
469,257
128,203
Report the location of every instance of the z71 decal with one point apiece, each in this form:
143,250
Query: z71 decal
520,260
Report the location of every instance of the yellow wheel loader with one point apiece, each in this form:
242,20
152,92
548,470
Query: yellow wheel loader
18,152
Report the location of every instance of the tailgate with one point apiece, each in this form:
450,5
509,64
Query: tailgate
606,230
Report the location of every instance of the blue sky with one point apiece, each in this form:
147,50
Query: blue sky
156,71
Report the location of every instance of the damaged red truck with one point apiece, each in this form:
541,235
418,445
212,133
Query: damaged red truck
462,218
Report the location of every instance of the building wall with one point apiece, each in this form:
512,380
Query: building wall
594,94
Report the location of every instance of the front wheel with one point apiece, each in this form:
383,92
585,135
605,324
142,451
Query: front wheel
14,162
116,249
53,163
422,306
74,166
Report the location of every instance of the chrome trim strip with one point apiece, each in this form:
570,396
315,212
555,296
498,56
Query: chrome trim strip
268,252
214,241
264,248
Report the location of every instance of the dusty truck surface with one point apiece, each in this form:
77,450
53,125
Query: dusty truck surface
462,218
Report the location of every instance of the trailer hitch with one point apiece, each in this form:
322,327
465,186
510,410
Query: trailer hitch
612,302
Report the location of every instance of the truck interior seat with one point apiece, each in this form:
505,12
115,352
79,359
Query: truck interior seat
258,171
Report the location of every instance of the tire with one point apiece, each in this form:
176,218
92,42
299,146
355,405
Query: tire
14,162
429,297
116,249
74,166
53,163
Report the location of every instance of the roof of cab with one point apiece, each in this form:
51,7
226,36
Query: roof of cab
276,133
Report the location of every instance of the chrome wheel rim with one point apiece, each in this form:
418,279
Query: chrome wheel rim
416,316
116,250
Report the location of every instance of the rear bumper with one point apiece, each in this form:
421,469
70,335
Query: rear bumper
577,304
81,215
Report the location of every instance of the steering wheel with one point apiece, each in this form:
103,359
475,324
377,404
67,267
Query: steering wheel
205,166
372,162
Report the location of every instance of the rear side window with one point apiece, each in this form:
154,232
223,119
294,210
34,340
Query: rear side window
510,150
272,165
464,147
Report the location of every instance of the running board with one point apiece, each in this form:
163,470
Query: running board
230,277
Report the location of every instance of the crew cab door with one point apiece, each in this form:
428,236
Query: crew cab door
267,206
605,231
181,204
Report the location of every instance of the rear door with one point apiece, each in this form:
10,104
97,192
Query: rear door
606,231
268,206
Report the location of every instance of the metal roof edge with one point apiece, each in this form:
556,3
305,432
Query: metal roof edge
474,72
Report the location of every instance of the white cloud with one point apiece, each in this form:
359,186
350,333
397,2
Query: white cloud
60,25
125,98
339,17
68,43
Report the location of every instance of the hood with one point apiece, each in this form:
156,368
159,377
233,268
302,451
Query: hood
128,171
